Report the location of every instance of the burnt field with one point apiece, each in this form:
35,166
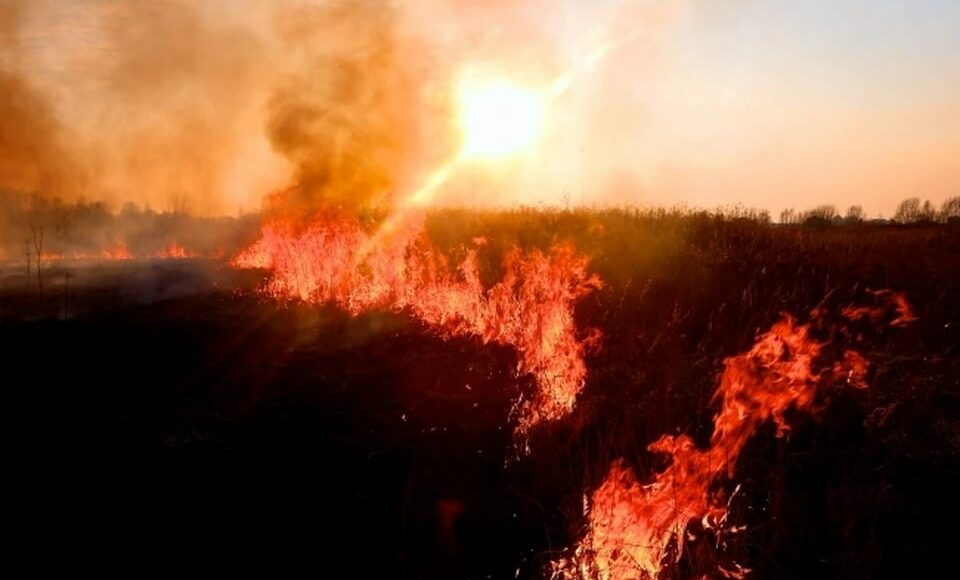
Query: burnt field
167,406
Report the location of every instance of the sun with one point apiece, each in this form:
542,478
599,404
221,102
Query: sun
499,119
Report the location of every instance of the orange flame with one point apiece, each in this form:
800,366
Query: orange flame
174,252
118,252
631,527
888,303
531,308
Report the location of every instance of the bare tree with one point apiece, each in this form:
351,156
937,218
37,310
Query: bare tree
179,203
788,216
63,224
855,214
826,211
38,249
908,211
950,210
821,215
26,251
66,287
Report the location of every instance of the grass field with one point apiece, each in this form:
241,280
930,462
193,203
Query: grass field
165,404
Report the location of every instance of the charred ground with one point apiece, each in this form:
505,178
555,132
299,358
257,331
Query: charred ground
164,403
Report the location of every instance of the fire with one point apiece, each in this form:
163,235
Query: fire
890,304
632,528
174,252
335,261
118,252
499,119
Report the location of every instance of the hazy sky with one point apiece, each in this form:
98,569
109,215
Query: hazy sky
796,102
768,103
785,103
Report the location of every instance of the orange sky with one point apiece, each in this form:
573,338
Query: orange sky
769,104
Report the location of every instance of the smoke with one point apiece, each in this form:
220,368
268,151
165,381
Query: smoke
356,119
154,102
209,107
186,88
33,153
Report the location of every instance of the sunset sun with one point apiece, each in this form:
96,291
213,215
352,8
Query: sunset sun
499,119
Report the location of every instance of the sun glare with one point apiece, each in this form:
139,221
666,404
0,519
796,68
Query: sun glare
499,119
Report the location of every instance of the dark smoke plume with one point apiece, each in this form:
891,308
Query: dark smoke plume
353,120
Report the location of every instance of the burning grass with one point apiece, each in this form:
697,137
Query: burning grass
632,528
672,437
333,260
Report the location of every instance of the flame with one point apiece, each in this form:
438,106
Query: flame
632,527
174,252
887,303
333,260
118,252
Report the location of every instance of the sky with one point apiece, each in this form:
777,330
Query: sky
771,104
781,103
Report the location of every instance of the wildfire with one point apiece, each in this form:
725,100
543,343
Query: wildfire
632,527
118,252
888,304
530,309
174,252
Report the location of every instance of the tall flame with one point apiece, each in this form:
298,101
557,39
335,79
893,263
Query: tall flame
632,527
333,260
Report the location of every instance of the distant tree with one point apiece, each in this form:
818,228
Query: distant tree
38,250
827,212
130,210
26,252
927,212
950,210
855,214
178,203
822,215
63,223
761,216
788,216
908,211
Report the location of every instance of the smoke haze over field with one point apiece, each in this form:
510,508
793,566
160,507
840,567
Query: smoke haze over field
211,106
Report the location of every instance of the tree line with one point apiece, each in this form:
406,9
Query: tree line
909,211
